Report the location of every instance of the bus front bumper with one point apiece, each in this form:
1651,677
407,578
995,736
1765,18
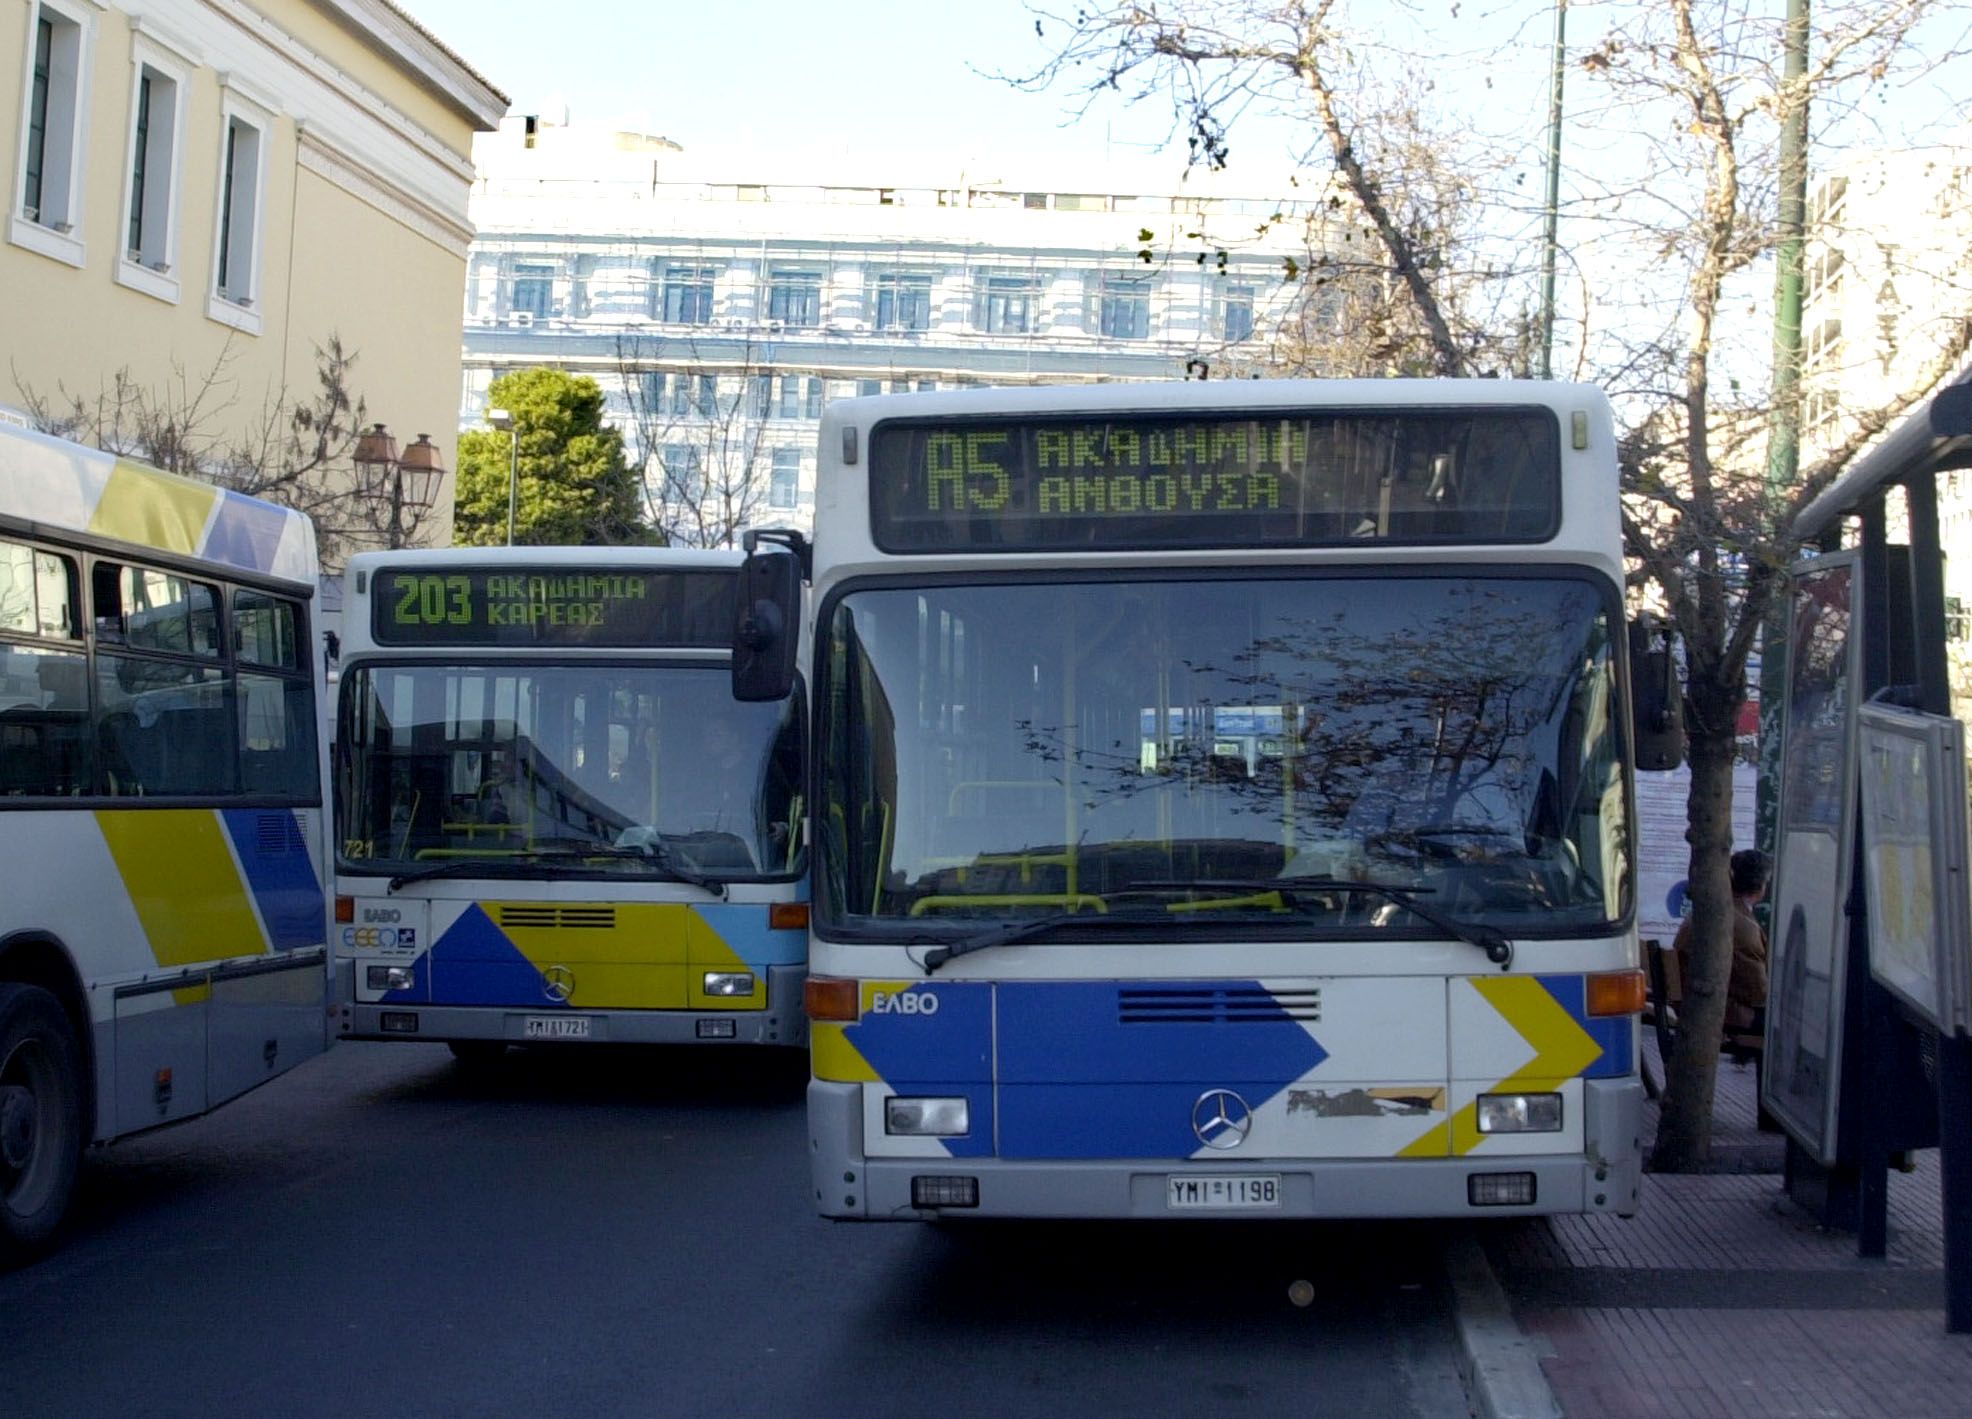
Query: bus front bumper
782,1024
1604,1177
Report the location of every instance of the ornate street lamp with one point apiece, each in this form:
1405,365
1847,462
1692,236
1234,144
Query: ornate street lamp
377,460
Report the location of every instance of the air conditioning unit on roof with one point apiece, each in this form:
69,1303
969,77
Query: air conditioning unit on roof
523,318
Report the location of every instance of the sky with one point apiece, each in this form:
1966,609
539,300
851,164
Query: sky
916,78
792,78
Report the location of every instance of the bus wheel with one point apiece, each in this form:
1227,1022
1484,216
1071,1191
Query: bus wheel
476,1054
40,1119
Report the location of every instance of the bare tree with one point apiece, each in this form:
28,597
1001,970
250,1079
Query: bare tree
290,450
699,419
1686,227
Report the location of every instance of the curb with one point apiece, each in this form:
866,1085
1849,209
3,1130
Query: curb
1501,1367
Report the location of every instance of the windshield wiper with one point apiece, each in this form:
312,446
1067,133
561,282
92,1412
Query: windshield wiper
1010,932
514,863
660,853
1489,939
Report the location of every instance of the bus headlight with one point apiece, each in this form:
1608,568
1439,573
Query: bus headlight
927,1118
729,983
1519,1113
390,977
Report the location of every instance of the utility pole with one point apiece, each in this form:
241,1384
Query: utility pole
1784,443
1559,69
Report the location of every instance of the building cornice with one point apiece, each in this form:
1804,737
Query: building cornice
292,51
396,34
316,154
497,240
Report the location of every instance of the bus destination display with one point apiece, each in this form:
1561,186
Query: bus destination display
601,606
1215,480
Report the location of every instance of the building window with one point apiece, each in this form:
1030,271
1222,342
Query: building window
50,193
790,396
683,472
903,301
681,394
813,408
237,271
534,290
794,297
152,196
1958,624
1123,311
650,391
760,398
708,396
1236,314
865,387
687,297
1008,304
785,484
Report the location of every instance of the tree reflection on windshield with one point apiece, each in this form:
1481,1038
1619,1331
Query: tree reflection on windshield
1035,748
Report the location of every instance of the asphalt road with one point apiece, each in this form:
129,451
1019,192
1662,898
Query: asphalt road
629,1233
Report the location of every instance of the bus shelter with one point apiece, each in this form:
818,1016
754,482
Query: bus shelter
1867,1049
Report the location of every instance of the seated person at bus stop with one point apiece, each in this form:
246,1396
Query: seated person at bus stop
1746,990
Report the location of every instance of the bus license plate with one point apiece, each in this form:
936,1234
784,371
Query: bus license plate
555,1027
1222,1192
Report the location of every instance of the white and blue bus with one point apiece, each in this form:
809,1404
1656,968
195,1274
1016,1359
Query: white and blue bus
553,821
1222,802
162,912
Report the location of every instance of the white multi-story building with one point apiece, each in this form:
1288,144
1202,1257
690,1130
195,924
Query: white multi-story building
1886,280
721,307
1888,284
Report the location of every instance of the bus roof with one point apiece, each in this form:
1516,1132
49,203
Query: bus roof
53,483
571,557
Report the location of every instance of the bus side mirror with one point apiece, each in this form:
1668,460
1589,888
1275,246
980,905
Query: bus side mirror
1656,698
766,625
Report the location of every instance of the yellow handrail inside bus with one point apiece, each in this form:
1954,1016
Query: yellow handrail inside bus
1068,901
1272,901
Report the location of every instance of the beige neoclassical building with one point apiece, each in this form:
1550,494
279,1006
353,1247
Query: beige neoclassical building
217,185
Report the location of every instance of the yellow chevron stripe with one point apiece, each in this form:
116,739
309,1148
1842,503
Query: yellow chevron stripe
837,1060
144,506
654,958
1562,1050
179,871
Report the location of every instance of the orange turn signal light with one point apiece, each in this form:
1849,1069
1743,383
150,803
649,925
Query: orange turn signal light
830,998
345,909
1617,993
788,916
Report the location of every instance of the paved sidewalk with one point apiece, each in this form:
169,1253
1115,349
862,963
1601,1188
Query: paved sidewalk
1721,1298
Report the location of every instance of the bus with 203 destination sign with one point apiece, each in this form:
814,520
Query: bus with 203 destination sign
553,821
1222,801
162,920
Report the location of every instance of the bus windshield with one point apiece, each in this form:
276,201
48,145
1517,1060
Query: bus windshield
996,751
520,764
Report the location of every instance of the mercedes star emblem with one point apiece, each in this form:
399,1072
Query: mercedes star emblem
558,983
1221,1119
